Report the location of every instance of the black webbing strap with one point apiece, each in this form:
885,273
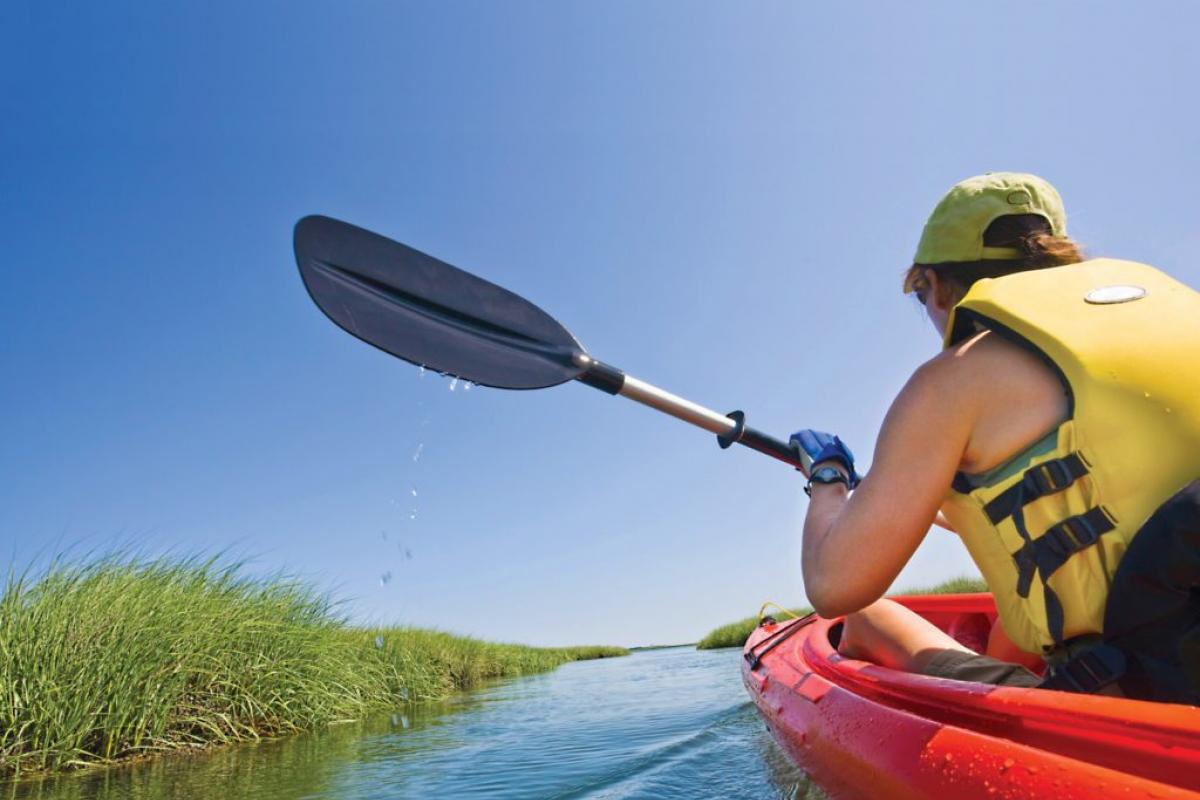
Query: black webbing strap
1088,672
1044,555
1045,478
755,654
962,484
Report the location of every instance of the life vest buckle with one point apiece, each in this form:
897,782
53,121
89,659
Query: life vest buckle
1048,478
1040,480
1088,672
1072,535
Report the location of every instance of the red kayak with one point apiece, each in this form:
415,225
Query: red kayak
864,731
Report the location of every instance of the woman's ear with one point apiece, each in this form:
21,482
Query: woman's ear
941,293
938,301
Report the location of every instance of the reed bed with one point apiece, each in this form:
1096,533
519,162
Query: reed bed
735,634
121,658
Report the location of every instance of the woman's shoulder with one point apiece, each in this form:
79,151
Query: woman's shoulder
984,355
981,373
953,369
1005,394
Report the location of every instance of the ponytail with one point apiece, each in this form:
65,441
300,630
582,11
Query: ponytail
1029,234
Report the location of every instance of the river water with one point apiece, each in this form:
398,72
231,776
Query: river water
669,723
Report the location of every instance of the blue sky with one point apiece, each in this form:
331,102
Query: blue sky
717,198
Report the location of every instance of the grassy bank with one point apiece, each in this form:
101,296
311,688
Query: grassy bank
735,634
117,659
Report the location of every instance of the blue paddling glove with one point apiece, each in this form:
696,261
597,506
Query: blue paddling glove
822,446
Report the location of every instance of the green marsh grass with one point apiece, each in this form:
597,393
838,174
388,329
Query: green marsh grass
121,658
735,634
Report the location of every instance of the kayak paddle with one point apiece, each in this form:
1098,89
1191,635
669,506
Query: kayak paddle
437,316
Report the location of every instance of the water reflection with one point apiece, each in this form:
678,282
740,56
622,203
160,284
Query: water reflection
662,724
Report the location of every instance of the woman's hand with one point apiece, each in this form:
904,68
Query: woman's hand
824,447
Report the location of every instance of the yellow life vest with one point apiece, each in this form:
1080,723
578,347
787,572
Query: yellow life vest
1048,528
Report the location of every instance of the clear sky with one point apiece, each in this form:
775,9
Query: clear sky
717,198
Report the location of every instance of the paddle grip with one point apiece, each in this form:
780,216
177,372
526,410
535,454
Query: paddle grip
755,439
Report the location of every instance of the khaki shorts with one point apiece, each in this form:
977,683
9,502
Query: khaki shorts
960,666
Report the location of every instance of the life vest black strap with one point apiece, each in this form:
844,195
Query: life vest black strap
1044,555
962,484
1088,672
1045,478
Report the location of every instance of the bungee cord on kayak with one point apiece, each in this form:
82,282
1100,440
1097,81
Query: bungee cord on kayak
762,610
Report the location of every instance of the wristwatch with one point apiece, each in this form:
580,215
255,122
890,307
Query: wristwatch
826,475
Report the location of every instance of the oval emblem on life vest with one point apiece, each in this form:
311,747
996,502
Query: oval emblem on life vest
1107,295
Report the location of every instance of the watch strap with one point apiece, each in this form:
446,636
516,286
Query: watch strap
826,475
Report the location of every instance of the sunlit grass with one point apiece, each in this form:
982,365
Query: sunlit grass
118,658
735,634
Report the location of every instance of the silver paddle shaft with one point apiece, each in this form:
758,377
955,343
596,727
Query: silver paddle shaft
729,428
676,406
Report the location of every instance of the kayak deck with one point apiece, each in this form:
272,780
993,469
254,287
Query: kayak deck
864,731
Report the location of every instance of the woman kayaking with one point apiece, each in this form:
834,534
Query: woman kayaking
1058,433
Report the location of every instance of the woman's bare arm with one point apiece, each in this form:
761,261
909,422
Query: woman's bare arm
856,545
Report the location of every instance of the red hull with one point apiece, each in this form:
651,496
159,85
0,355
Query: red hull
864,731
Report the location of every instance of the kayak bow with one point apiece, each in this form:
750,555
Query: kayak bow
864,731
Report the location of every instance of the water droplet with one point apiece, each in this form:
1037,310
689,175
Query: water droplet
1147,395
414,492
422,371
417,452
453,384
379,641
467,386
413,515
1168,411
385,578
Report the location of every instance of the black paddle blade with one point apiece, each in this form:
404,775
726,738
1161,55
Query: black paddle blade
430,313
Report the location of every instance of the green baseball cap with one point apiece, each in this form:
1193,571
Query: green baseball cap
955,229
